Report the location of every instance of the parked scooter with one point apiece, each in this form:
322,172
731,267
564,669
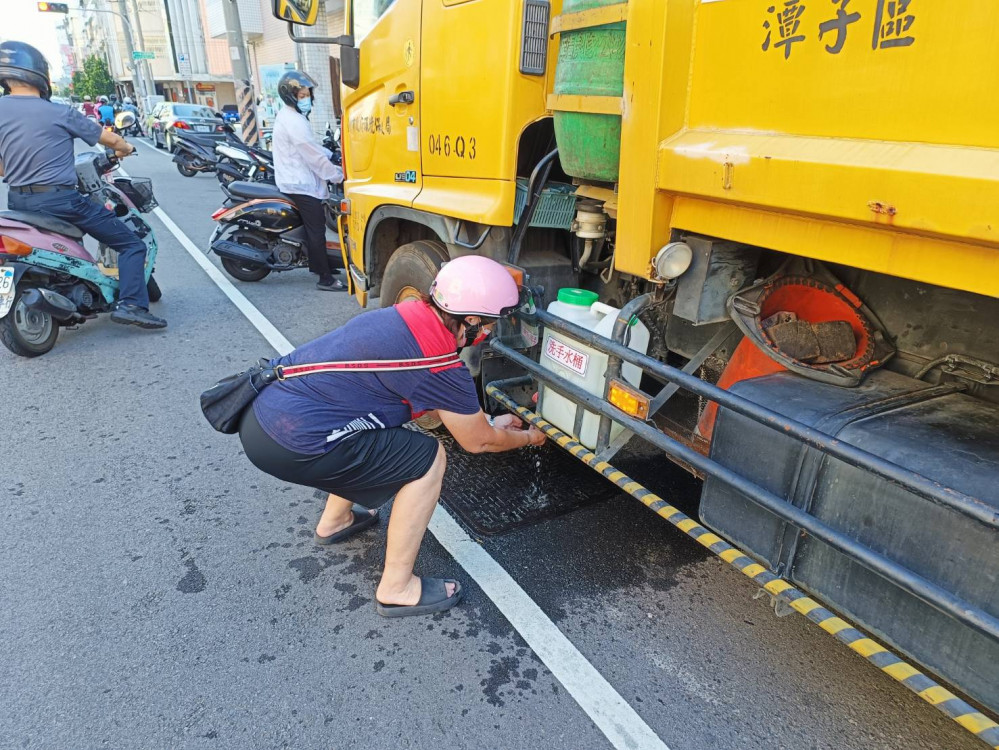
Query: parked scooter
194,154
49,279
265,233
244,164
239,162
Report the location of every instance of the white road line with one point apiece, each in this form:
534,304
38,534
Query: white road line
611,713
150,146
274,337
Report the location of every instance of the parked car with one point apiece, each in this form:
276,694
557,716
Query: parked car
168,117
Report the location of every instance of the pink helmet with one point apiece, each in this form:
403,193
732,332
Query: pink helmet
475,285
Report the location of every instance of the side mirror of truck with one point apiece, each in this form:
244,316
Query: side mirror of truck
305,13
302,12
350,66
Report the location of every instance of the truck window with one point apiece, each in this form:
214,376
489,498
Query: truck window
366,14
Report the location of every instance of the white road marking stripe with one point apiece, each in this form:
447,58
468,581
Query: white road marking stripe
611,713
150,146
274,337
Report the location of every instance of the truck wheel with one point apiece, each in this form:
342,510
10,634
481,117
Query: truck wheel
411,270
27,333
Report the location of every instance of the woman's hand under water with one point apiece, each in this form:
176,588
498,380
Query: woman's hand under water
516,424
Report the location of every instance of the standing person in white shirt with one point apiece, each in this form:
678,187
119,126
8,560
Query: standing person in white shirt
302,168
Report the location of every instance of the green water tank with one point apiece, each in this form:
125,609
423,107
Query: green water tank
590,63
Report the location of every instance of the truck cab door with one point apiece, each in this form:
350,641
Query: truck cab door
382,115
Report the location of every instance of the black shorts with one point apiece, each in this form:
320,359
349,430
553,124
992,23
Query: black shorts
367,468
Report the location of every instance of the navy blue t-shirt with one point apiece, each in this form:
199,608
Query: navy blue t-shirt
36,140
310,414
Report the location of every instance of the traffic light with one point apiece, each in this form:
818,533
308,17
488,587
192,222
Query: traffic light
53,8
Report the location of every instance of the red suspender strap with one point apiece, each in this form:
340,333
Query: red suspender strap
373,365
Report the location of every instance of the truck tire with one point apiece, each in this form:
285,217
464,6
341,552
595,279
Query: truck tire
411,270
27,334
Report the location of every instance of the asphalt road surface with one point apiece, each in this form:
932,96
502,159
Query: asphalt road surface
157,591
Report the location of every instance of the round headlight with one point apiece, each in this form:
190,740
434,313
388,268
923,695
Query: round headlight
673,261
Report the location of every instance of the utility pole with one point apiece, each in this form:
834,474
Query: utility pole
137,80
241,72
147,71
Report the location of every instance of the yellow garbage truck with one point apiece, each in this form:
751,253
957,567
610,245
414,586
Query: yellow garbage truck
796,202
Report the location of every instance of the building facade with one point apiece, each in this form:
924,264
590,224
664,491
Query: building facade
191,59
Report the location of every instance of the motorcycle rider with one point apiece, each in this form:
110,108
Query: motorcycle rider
128,106
105,111
36,159
89,108
302,168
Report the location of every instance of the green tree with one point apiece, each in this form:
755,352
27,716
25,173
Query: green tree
94,80
78,84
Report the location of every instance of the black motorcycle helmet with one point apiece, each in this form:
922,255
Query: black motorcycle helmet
22,62
291,83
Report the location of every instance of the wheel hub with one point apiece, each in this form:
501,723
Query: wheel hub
408,293
33,326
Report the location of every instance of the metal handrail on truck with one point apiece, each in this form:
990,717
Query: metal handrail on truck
906,579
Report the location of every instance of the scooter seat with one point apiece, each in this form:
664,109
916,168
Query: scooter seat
255,190
45,222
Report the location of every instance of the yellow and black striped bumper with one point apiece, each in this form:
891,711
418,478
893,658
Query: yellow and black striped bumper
926,688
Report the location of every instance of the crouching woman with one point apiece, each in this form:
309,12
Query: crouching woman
342,432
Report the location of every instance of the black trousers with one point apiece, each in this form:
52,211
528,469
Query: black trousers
314,219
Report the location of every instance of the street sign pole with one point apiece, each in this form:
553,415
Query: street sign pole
185,71
146,67
241,72
137,82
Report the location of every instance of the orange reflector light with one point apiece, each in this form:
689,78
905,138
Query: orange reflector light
628,400
345,207
516,273
10,246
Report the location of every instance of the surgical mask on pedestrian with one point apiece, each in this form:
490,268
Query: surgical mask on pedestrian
305,105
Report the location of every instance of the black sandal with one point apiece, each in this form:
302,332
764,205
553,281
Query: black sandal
433,599
363,519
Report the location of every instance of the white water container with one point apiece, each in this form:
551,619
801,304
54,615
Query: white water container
582,364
